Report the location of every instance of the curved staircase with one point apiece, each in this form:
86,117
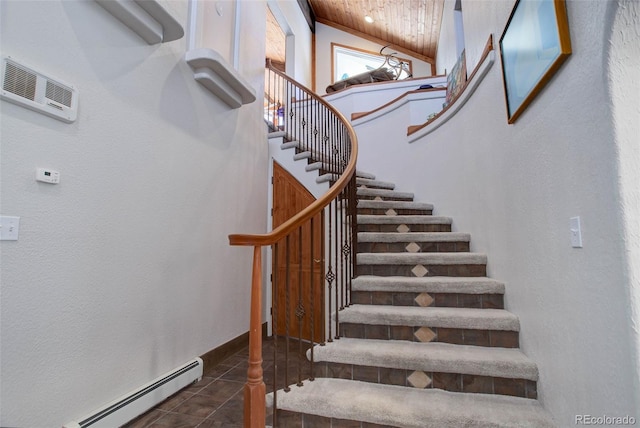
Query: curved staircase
426,341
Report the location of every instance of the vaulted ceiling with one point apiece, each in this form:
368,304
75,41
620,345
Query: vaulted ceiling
411,27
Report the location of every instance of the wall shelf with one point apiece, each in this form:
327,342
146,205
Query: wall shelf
215,74
147,18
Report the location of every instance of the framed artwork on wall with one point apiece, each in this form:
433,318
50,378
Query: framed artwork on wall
533,46
456,79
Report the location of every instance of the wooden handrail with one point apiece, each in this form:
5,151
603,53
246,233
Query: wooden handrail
285,228
254,389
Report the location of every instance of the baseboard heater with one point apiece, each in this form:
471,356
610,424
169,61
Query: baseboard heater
131,405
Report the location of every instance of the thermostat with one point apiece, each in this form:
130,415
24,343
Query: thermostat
48,176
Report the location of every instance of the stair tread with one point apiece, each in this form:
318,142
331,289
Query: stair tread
384,192
375,183
443,317
410,407
321,165
403,219
428,284
456,258
366,203
436,357
413,237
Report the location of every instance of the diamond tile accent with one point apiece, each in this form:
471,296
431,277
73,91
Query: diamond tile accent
403,228
377,198
419,379
391,212
424,334
424,300
412,247
420,271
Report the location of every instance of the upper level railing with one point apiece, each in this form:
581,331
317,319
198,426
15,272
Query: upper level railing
313,252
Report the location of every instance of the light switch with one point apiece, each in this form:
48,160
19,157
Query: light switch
9,228
576,232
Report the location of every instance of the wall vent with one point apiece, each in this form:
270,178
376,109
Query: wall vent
28,88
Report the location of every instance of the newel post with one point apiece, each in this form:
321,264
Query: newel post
254,389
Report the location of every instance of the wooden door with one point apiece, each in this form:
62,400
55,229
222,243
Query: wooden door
305,262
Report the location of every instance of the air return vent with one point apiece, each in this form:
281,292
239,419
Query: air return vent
28,88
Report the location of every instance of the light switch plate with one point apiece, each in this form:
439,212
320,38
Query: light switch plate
9,228
576,232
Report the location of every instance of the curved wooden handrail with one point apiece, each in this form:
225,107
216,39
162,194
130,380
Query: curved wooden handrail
285,228
358,115
254,390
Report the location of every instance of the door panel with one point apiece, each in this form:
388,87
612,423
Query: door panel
305,279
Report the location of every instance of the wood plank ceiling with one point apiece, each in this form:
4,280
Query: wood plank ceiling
410,26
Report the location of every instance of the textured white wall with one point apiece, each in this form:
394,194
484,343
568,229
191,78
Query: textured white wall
325,35
514,188
123,270
624,85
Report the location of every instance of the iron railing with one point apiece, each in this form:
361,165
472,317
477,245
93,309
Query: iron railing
311,280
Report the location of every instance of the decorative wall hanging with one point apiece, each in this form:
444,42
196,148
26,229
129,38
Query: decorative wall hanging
533,46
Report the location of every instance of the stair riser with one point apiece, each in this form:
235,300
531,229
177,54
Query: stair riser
399,211
412,227
454,382
433,270
456,336
440,300
401,247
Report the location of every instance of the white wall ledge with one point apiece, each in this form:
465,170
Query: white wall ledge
457,104
215,74
147,18
413,96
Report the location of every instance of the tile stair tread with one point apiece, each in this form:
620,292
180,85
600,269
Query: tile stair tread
409,407
384,193
367,203
440,317
413,237
508,363
456,258
403,219
428,284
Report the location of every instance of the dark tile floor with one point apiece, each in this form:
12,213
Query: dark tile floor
217,399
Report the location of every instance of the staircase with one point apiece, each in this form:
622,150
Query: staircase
426,341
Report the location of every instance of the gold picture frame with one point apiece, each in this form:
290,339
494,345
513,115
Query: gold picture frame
533,46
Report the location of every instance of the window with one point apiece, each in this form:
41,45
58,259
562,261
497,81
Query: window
348,62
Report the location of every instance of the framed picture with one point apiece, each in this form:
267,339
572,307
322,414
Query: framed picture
533,46
456,79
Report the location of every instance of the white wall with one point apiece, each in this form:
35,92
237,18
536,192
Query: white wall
624,86
123,270
447,57
295,27
325,35
514,188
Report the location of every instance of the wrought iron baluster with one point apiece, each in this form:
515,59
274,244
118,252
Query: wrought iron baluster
287,313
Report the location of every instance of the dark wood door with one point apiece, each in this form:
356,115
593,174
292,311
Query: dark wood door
303,281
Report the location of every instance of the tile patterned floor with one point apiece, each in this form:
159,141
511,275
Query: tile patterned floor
215,401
